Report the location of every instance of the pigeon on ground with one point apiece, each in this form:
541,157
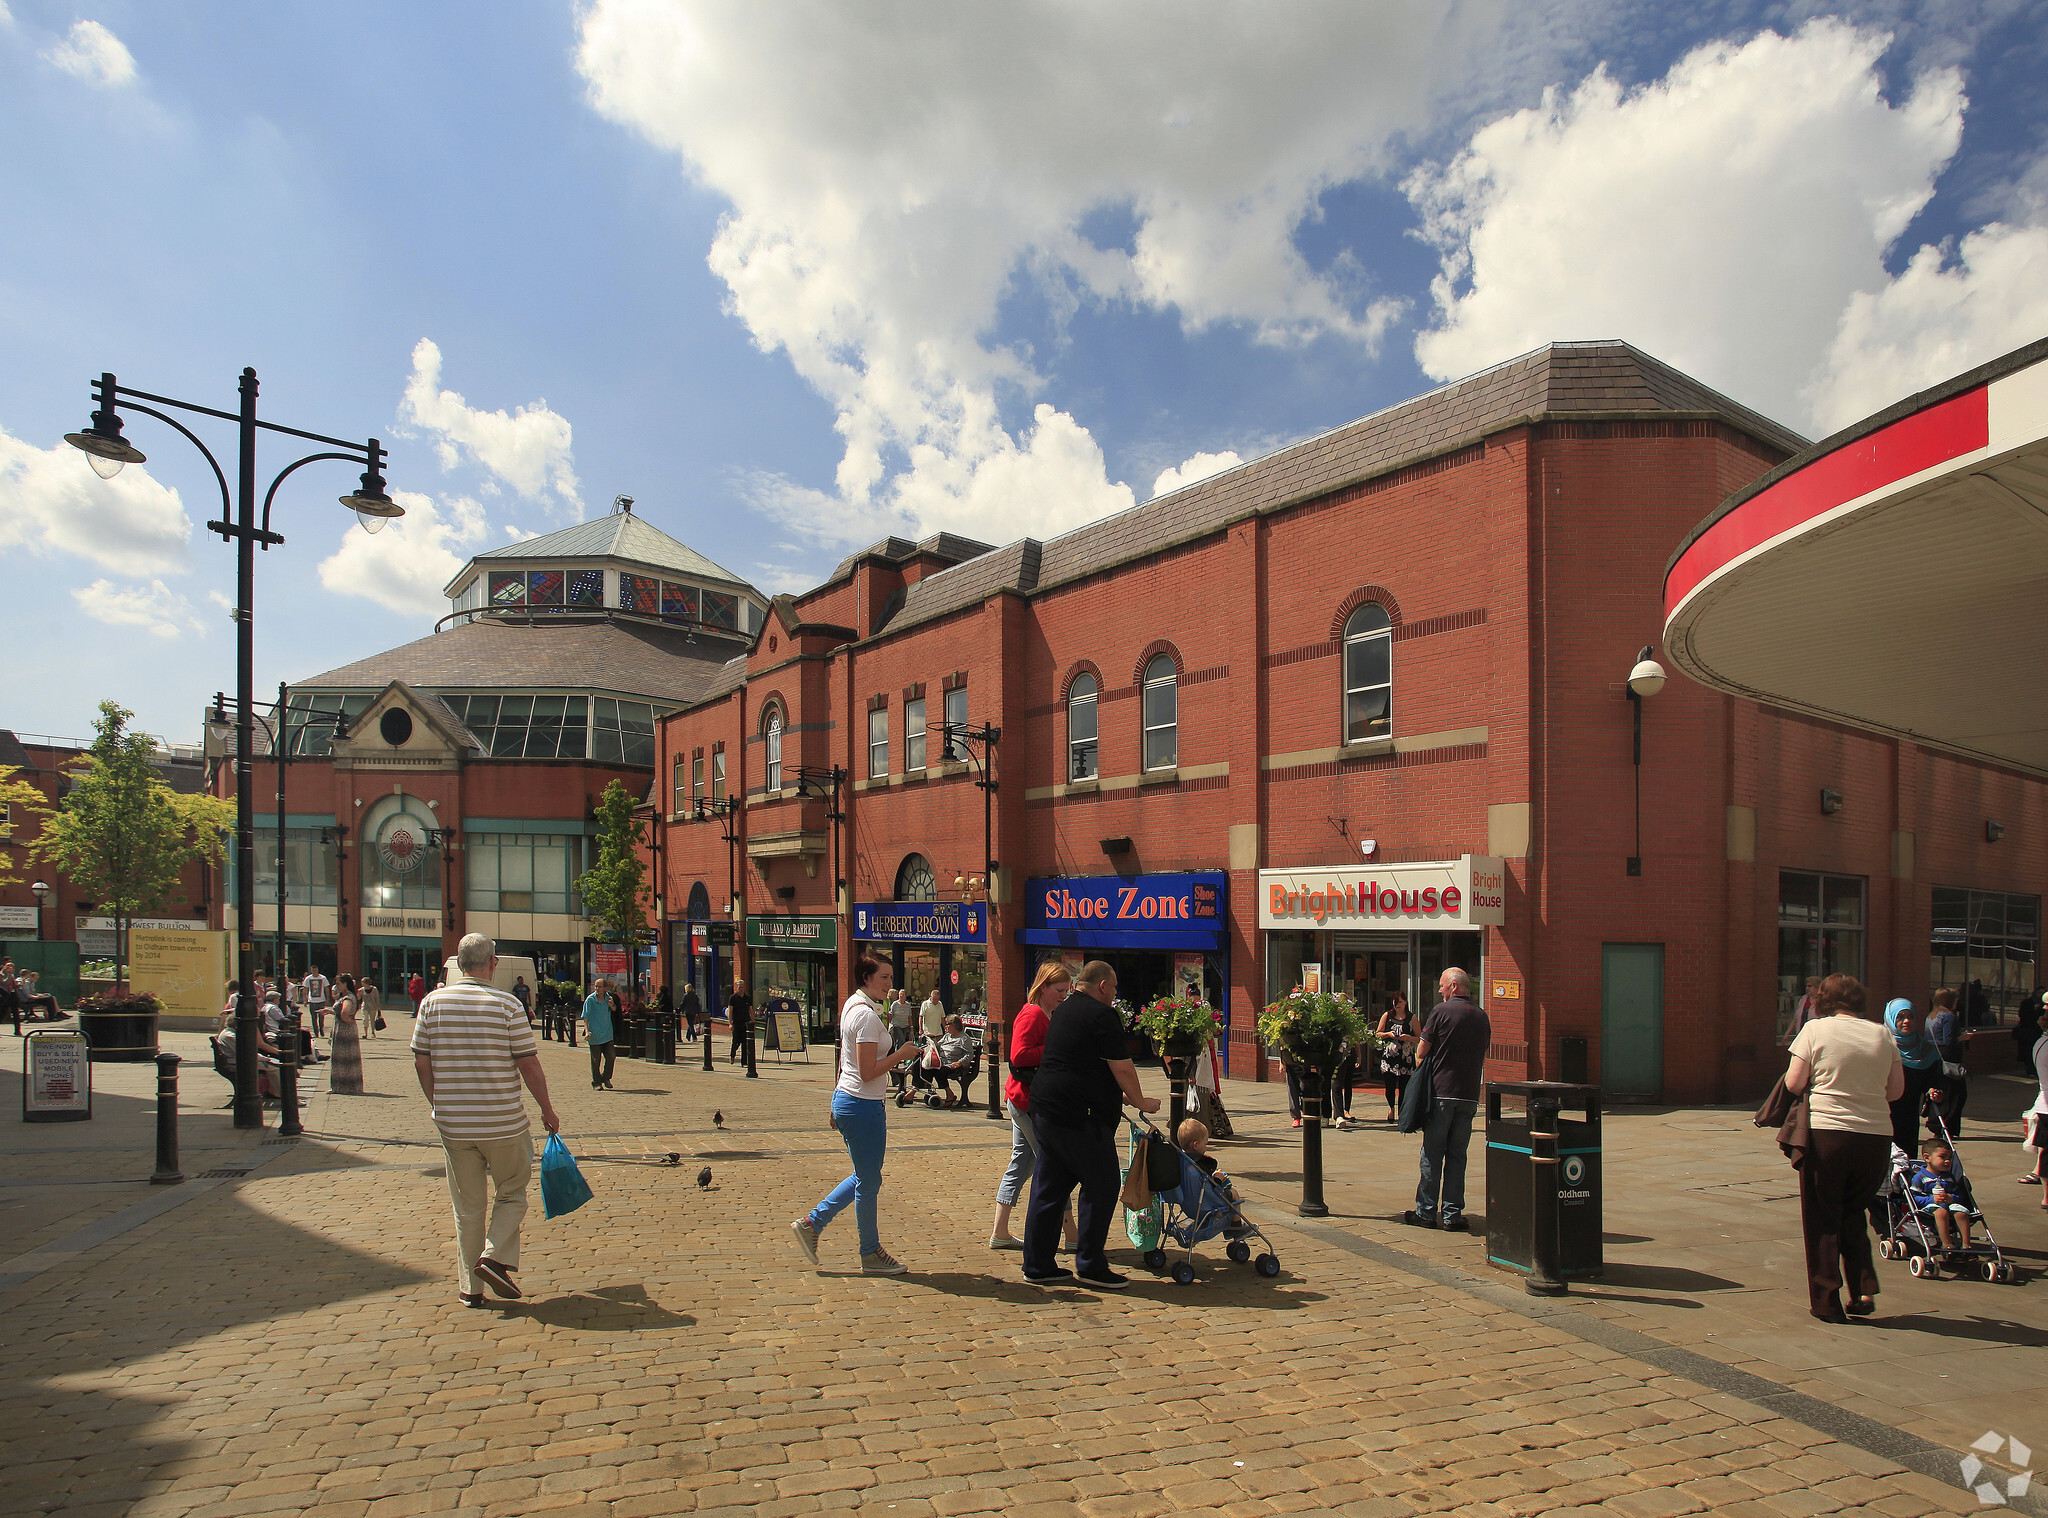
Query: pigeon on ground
704,1176
671,1158
718,1120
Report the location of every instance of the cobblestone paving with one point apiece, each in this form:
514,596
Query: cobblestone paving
290,1343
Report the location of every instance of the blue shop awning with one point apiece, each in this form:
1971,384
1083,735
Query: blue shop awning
1184,939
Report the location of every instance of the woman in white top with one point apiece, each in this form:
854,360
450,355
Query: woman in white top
1850,1072
860,1112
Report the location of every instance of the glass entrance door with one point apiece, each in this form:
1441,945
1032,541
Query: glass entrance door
391,967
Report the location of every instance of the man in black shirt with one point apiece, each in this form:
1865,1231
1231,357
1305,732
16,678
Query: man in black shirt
1084,1078
1453,1047
739,1014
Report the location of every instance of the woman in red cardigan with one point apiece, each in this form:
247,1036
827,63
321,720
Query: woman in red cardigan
1051,986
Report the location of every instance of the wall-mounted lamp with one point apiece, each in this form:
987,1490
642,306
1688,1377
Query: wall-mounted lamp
1116,845
1645,679
1993,831
1830,802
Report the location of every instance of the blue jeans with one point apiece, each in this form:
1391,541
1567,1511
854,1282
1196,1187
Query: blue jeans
1444,1139
864,1125
1023,1157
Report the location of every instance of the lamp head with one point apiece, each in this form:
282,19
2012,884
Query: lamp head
105,449
42,890
1647,678
372,506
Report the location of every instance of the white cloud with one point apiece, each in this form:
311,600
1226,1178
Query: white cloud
529,450
92,53
52,502
1939,318
895,172
1189,470
6,16
155,608
1723,217
404,567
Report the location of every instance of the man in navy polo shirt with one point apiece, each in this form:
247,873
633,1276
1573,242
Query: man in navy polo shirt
1453,1048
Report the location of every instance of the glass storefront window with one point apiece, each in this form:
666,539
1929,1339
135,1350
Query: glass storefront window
309,867
809,980
1986,948
1820,933
523,872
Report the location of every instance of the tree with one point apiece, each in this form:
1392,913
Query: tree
122,835
615,891
20,800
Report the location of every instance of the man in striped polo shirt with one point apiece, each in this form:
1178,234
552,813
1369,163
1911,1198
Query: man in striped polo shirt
472,1047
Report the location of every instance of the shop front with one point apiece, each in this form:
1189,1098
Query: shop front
1160,933
795,963
1371,932
933,945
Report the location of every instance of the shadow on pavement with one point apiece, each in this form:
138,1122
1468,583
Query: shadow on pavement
1665,1278
607,1309
1984,1330
1255,1292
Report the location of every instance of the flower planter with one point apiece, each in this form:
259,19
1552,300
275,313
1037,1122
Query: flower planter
1185,1045
120,1038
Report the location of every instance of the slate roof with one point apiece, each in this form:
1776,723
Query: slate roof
943,545
1561,382
622,535
634,658
12,754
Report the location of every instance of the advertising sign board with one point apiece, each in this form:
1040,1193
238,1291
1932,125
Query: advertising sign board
921,921
59,1084
184,971
1467,892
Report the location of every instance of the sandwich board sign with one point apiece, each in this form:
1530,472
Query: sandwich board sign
58,1087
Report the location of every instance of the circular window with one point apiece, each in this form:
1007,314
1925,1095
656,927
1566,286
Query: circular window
915,881
396,727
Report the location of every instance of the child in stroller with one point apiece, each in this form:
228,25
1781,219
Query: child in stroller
1929,1213
1204,1205
958,1058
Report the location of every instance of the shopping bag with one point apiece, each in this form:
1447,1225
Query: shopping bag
1162,1163
562,1187
1136,1195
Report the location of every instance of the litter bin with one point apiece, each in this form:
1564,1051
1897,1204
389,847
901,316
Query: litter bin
1543,1198
658,1038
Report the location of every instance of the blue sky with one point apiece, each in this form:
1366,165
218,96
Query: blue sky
800,275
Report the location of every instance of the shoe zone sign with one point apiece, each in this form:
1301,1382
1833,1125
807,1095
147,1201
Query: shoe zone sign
1142,901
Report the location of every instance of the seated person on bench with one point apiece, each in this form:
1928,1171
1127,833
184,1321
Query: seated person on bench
958,1060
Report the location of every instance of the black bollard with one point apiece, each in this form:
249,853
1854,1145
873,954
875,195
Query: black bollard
1177,1090
752,1073
288,1097
167,1172
1312,1205
1543,1279
707,1041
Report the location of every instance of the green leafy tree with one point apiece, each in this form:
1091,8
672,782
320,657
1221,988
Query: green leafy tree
615,891
122,835
20,801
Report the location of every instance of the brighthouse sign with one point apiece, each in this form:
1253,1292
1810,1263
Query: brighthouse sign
1467,892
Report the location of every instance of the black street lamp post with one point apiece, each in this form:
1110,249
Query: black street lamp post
726,810
109,451
1646,679
978,746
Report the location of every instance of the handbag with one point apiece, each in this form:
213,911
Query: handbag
379,1025
1162,1162
562,1187
1418,1099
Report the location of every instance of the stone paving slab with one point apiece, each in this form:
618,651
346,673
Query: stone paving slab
288,1343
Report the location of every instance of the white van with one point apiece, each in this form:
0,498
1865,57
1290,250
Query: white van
510,968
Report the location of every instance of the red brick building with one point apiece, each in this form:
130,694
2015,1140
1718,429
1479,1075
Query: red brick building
1360,706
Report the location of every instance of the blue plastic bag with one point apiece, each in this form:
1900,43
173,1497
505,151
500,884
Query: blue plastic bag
562,1187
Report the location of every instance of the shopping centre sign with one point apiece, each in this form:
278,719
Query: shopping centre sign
1467,892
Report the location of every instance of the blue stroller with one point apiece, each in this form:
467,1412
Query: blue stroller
1193,1213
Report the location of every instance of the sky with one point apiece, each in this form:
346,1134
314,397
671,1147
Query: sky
802,275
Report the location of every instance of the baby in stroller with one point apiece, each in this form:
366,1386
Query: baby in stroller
1941,1195
1194,1143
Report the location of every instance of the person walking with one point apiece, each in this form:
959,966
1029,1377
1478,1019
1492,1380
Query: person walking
1049,987
1397,1037
739,1015
2027,1029
316,989
472,1051
345,1077
369,1009
1453,1048
1923,1072
860,1111
1852,1076
690,1009
1951,1042
2035,1121
932,1015
523,994
599,1032
416,990
1085,1076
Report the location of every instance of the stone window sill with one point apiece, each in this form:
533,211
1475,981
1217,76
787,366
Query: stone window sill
1369,748
1160,777
1086,787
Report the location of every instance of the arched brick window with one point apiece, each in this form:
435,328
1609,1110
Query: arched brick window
771,734
1161,704
1368,674
1081,727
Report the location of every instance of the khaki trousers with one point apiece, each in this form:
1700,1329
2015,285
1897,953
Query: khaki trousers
487,1180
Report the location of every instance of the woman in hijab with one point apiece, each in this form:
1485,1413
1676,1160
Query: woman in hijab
1922,1058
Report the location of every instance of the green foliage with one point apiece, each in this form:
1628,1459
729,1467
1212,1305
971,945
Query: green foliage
1172,1018
615,892
1313,1027
122,835
20,800
118,1000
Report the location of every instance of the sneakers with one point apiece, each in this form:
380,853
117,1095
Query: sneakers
470,1298
498,1277
806,1239
1106,1280
1004,1241
882,1263
1052,1278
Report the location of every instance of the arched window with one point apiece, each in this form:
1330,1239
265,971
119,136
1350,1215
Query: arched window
1162,713
1081,728
771,730
1368,674
915,881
